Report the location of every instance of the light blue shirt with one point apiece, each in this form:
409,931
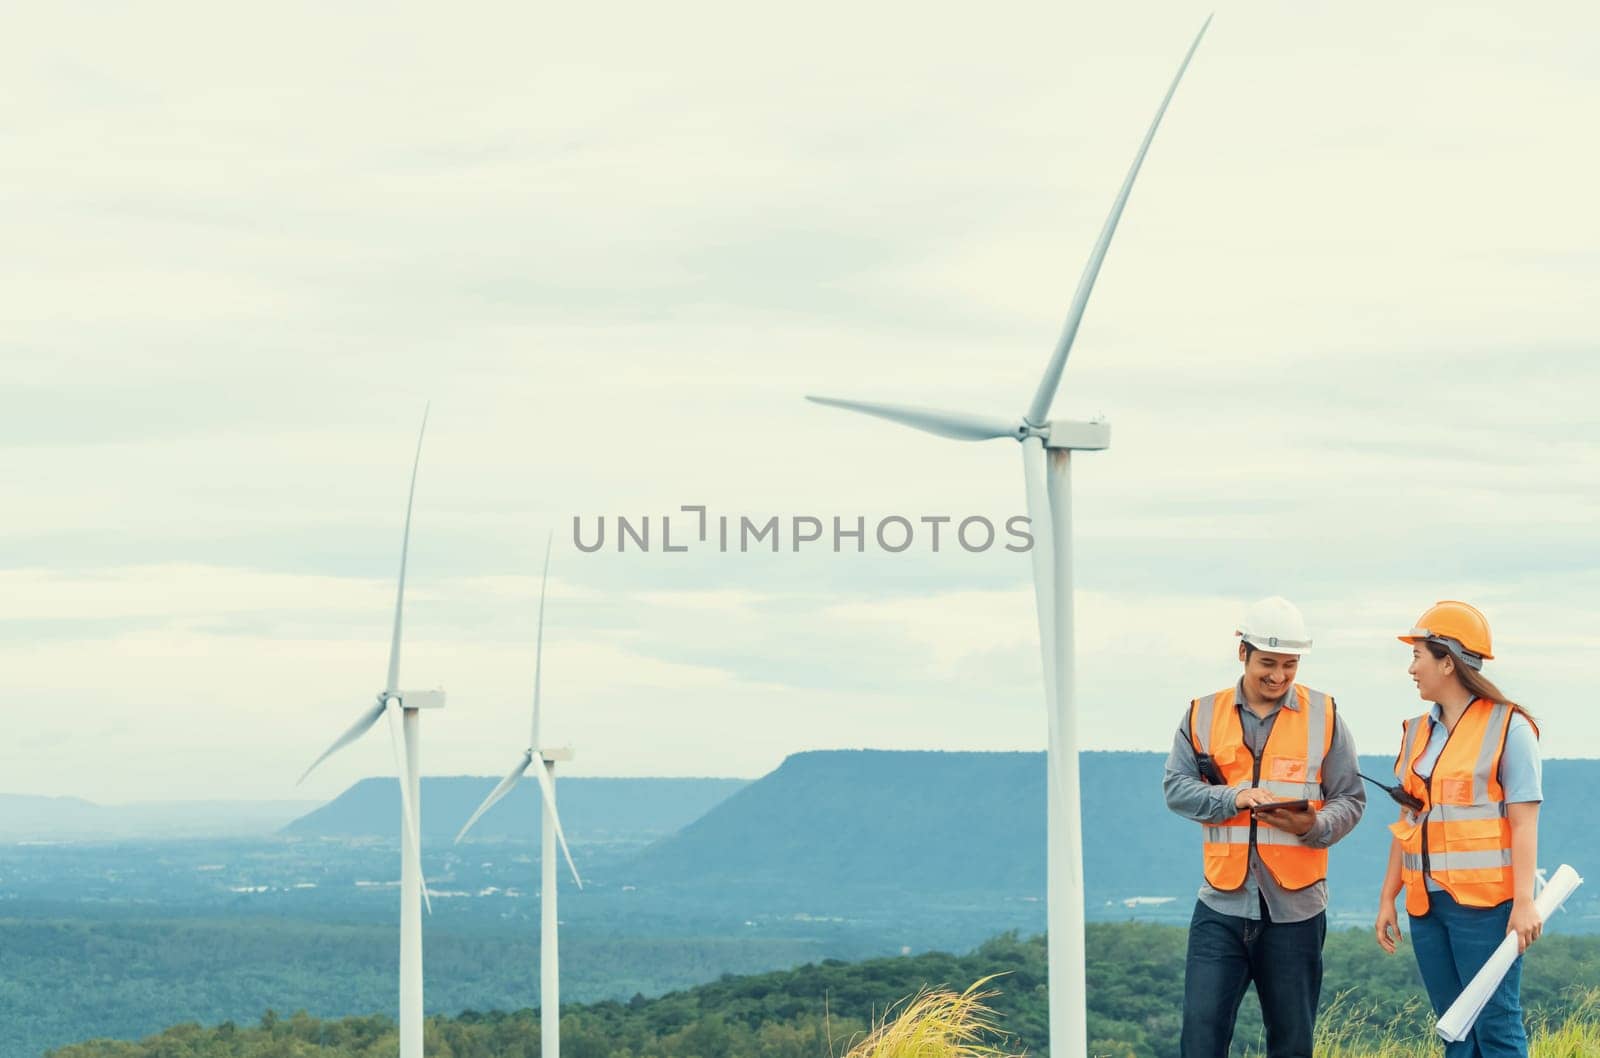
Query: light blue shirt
1521,770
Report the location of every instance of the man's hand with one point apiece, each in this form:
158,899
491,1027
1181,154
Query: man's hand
1252,797
1297,821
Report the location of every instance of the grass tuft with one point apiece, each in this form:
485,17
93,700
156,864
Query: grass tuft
937,1023
1344,1031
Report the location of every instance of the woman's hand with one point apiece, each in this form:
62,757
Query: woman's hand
1388,927
1525,923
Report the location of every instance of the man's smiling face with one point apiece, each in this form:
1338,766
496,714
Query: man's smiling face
1267,674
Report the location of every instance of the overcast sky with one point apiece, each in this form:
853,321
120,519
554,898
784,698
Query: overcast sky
1346,338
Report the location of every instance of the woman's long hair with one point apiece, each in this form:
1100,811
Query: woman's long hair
1477,684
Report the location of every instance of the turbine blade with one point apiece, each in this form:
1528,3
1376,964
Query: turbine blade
538,650
405,544
353,732
498,792
1046,393
953,424
547,786
407,810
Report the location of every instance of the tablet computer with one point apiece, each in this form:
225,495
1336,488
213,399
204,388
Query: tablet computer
1282,806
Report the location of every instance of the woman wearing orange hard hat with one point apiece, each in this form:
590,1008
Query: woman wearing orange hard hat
1466,845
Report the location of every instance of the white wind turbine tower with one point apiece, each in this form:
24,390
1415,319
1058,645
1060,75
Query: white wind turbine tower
1047,448
550,833
402,708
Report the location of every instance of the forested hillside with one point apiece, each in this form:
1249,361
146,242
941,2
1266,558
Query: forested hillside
62,981
1135,991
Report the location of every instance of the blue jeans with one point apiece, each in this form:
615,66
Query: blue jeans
1226,953
1452,942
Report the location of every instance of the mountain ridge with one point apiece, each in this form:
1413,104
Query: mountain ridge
40,817
923,821
592,808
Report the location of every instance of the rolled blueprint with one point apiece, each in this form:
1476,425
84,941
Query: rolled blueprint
1458,1020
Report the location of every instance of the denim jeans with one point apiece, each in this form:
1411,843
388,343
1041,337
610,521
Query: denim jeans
1226,953
1452,942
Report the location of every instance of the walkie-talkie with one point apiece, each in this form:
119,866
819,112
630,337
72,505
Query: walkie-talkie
1208,767
1401,798
1209,770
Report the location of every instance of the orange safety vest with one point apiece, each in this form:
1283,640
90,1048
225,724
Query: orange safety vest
1461,835
1290,768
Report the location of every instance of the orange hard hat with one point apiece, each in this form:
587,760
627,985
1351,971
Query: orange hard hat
1454,624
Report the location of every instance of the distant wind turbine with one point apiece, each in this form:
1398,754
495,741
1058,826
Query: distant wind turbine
550,833
402,707
1540,880
1049,496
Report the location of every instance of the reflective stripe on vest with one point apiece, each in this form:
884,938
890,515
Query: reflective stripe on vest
1452,813
1461,837
1237,835
1291,770
1459,861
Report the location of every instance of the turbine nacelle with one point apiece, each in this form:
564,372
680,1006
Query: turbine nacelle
1091,436
429,699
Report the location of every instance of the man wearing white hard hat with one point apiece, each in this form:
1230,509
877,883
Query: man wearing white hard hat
1261,915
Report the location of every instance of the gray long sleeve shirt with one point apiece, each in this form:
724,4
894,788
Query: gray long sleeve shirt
1192,797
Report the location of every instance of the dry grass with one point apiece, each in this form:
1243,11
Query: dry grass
944,1024
937,1023
1577,1037
1340,1032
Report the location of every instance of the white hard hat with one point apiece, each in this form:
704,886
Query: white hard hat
1275,624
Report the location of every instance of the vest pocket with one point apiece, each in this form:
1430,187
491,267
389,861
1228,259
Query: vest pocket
1286,769
1470,835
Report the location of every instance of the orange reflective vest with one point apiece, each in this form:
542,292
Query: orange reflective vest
1289,767
1461,836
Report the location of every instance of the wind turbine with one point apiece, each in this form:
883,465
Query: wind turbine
550,833
1540,880
1047,448
402,707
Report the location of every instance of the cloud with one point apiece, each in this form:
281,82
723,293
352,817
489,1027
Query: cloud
1344,337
